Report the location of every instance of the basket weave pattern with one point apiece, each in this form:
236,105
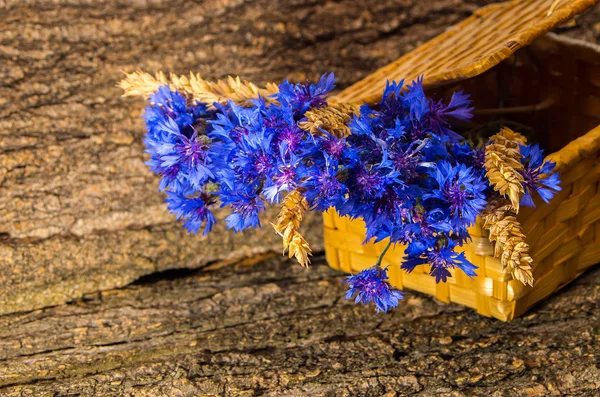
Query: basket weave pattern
564,235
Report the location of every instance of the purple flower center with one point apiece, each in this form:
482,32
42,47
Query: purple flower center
328,185
372,287
237,133
407,165
263,163
292,137
192,151
286,177
456,196
304,95
271,122
369,183
531,177
334,148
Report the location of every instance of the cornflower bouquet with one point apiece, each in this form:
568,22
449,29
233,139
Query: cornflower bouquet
397,165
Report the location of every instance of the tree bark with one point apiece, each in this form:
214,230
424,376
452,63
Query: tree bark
268,327
82,219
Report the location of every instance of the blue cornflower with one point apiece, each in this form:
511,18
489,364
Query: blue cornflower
416,101
177,152
420,227
391,108
384,216
194,210
441,260
193,152
234,122
459,108
368,182
254,158
286,129
461,189
333,147
173,104
436,149
192,156
291,136
245,204
407,158
305,96
289,171
445,258
323,187
464,153
371,285
537,175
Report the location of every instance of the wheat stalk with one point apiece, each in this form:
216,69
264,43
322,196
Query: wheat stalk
293,208
503,163
501,221
333,119
140,83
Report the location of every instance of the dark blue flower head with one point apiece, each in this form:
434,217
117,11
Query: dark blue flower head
323,186
441,260
173,104
194,210
181,151
245,203
371,285
290,170
464,153
461,190
191,155
391,108
459,108
369,183
305,96
416,101
538,175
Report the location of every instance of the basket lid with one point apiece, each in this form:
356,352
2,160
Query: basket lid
471,47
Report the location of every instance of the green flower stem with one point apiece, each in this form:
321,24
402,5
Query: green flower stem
385,250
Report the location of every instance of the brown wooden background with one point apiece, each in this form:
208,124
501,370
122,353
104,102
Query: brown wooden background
80,213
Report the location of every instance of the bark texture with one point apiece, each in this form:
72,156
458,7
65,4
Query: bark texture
80,214
267,327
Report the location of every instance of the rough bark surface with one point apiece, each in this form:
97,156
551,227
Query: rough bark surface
268,327
80,213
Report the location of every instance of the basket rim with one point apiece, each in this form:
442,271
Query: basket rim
476,67
576,150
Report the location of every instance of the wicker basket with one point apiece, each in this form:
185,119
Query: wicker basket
552,84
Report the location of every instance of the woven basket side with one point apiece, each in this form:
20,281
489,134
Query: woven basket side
564,235
564,243
471,47
491,292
